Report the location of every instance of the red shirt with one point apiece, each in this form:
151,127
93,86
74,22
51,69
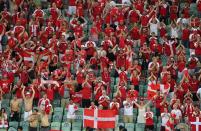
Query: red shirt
134,17
132,94
158,100
122,89
114,107
135,81
194,85
71,2
19,92
135,33
105,76
108,31
181,66
198,50
86,92
79,9
149,120
24,77
144,20
80,77
185,34
50,94
163,10
199,6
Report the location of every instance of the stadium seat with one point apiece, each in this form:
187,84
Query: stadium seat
13,124
5,103
25,125
58,109
76,126
80,111
139,127
66,126
57,117
56,103
158,126
12,129
130,126
55,125
64,119
22,116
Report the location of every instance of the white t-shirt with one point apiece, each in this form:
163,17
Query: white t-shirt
165,118
174,32
177,112
71,111
128,109
154,28
199,92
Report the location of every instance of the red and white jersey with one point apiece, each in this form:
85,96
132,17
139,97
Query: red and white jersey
34,29
6,15
115,107
149,118
90,44
42,103
106,44
18,29
50,30
38,13
188,109
104,101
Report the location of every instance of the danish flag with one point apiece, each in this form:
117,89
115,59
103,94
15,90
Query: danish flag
95,118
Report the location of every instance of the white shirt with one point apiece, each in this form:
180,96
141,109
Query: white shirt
174,32
128,109
154,28
165,118
199,92
177,112
71,111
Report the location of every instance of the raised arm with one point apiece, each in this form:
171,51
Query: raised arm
23,88
33,94
136,104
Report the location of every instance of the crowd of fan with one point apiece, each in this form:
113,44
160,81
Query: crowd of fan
104,55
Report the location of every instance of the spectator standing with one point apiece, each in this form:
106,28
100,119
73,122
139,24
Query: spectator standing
128,110
15,109
149,126
3,119
28,102
33,120
71,108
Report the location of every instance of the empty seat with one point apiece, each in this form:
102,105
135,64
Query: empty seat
56,103
64,119
65,126
57,117
139,127
158,127
12,129
130,126
5,103
55,125
13,124
58,109
76,126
